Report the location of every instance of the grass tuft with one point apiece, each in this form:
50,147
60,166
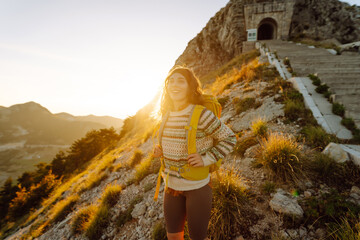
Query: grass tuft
338,109
63,208
229,199
316,137
136,158
98,223
280,155
146,167
82,218
159,231
111,195
268,187
259,128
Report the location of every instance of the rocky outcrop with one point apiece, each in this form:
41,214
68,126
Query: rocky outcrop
218,42
325,19
286,204
223,36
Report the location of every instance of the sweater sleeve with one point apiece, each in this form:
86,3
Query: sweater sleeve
223,136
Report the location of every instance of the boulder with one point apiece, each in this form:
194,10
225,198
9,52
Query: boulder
286,204
139,210
336,152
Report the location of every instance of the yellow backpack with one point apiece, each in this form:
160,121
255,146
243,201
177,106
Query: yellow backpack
187,171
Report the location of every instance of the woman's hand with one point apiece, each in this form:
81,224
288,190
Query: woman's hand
195,160
158,151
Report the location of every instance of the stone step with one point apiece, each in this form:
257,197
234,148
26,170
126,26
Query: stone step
345,91
344,85
339,75
320,66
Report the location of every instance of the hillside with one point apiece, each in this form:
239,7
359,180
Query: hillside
303,196
30,134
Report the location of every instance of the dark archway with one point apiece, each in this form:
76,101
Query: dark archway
267,29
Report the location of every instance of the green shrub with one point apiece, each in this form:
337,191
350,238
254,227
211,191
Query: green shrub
322,88
243,144
136,158
82,218
338,109
111,195
245,104
315,79
293,109
268,187
293,95
328,208
159,231
228,208
316,137
280,155
98,223
348,123
259,128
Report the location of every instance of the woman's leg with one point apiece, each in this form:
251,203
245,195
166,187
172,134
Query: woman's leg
175,214
198,210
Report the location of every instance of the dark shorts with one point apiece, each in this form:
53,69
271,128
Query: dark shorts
193,205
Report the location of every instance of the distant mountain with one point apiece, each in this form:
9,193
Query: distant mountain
105,120
31,124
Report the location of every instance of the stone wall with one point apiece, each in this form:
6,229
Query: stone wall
280,11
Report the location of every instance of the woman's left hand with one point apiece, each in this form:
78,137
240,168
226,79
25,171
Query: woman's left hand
195,160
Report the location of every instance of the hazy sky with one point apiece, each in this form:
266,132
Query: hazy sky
103,57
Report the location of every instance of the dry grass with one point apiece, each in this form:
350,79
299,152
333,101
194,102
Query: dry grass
82,218
111,195
63,208
259,127
229,215
280,155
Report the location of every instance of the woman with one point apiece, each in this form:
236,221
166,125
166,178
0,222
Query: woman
187,199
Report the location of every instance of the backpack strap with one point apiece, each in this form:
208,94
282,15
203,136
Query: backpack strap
192,128
162,167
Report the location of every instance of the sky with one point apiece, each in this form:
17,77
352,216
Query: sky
101,57
107,57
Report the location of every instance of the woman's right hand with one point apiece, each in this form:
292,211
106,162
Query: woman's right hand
158,151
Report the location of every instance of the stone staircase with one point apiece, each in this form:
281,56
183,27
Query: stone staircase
340,72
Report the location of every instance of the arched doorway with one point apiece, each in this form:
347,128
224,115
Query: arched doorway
267,29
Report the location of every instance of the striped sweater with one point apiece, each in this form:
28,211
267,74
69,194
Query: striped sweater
214,140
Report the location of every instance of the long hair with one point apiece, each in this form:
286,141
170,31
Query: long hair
194,93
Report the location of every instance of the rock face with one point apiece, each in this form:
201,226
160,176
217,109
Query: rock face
325,19
218,42
284,203
223,36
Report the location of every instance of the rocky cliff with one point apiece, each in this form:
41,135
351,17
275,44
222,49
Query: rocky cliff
222,38
325,19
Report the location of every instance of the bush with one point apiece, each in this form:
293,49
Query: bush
328,208
293,109
346,229
150,165
268,187
63,208
229,213
323,88
98,223
348,123
315,79
259,128
316,137
136,158
245,104
159,231
280,155
111,195
82,218
243,144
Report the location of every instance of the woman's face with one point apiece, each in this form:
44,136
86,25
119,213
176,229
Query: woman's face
178,88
